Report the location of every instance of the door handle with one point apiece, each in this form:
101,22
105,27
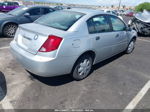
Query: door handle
117,36
97,38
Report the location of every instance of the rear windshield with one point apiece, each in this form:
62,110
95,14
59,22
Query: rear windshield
18,11
62,20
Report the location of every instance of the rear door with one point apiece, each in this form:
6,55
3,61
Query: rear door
119,34
101,36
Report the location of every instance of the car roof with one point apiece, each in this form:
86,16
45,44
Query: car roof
9,2
35,6
87,11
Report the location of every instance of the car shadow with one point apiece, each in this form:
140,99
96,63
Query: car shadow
1,36
143,36
53,81
64,79
107,61
3,86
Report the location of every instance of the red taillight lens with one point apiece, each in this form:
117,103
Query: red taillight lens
51,44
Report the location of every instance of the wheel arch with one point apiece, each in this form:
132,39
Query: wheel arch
5,24
8,22
89,52
134,38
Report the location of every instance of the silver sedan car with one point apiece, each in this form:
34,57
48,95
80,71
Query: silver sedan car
71,41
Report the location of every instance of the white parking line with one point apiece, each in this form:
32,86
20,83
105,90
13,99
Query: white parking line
131,106
6,103
144,40
7,47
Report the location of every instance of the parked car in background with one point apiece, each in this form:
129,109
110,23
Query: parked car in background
26,14
71,41
61,7
141,23
111,12
129,13
121,12
8,6
1,3
114,12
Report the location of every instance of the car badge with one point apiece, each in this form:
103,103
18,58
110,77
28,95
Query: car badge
36,37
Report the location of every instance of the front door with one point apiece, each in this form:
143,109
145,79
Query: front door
119,34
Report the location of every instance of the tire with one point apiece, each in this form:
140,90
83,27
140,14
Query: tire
130,47
82,67
9,30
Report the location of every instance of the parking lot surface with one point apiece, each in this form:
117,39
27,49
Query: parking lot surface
113,83
122,82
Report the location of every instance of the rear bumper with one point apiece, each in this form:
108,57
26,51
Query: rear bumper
42,66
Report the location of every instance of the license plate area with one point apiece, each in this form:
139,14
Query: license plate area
26,42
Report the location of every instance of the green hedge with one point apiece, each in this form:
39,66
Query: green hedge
143,6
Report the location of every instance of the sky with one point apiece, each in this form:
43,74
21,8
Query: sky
98,2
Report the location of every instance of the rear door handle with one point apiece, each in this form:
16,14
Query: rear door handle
97,38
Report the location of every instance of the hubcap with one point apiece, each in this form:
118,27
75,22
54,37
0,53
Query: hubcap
10,30
131,46
84,67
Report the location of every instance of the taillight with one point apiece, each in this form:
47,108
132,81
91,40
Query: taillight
51,44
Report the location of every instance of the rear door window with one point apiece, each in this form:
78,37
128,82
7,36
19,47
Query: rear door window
62,20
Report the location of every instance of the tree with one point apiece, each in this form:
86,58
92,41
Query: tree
143,6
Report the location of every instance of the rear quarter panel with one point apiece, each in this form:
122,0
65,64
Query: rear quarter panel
76,43
77,40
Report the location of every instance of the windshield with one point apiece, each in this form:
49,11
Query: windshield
62,20
18,11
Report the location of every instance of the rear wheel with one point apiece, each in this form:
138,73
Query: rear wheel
82,67
9,30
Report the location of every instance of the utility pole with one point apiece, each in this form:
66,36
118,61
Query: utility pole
119,4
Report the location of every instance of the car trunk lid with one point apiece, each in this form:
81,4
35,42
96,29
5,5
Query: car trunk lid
31,37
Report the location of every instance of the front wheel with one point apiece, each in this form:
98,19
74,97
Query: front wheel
82,67
131,46
9,30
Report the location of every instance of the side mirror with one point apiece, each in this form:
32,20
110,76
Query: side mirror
26,14
129,23
128,28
